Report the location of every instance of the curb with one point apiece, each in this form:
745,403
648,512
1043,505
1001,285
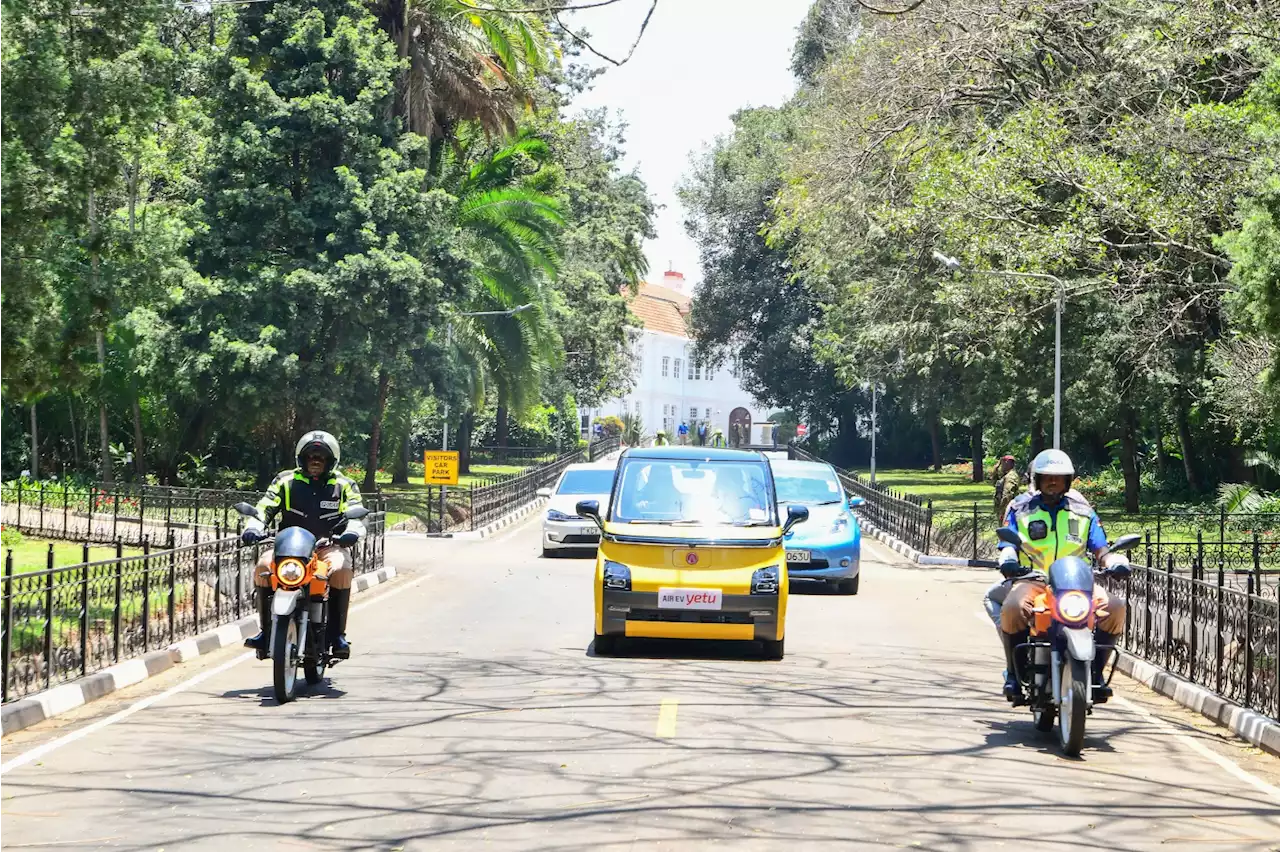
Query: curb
33,709
1257,729
903,549
507,520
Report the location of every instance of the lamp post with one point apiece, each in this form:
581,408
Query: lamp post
448,336
953,265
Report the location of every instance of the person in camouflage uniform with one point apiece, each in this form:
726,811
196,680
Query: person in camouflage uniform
1008,484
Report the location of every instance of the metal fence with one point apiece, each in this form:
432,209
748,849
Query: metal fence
523,456
904,516
130,514
1197,626
64,623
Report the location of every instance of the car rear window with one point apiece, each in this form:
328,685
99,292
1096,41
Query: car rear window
807,487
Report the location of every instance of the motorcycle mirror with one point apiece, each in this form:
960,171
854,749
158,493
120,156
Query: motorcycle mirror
1125,542
1008,536
355,513
247,510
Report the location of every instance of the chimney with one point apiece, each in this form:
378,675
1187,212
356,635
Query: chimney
673,280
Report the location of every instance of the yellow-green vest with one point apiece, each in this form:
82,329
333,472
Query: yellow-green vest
1052,535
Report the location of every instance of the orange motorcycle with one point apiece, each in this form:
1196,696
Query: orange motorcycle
299,605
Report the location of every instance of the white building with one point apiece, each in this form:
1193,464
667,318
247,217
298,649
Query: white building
671,385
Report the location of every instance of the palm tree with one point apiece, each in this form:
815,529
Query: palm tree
466,63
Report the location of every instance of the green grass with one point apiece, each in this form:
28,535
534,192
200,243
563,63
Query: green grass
948,490
32,554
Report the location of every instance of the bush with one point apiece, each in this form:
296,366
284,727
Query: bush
10,537
611,424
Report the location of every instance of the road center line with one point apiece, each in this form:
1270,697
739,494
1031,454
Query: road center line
143,703
667,718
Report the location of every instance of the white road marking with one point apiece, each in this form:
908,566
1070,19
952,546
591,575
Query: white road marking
143,703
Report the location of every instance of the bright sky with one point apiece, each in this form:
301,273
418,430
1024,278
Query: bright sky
698,63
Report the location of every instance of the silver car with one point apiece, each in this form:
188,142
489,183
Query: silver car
562,528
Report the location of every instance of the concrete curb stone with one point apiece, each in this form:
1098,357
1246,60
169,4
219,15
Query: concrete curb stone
33,709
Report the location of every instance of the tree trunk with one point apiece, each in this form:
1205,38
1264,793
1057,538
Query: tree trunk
465,425
139,448
502,438
75,438
1037,438
1129,462
35,445
104,437
401,474
975,447
1189,465
935,438
1162,456
375,432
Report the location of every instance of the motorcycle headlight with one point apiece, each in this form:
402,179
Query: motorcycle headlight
617,576
291,571
557,515
765,581
1074,606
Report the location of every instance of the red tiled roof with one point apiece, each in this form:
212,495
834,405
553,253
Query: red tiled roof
661,309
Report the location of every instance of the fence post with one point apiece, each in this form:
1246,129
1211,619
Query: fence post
66,511
1248,646
1222,536
115,516
48,617
41,515
8,625
93,506
20,489
195,589
975,531
239,581
1217,633
217,561
1195,638
168,508
1199,555
928,531
84,617
173,594
146,593
119,596
142,511
1257,562
1168,615
1159,536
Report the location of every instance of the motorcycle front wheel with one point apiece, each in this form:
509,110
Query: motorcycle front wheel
284,658
1074,707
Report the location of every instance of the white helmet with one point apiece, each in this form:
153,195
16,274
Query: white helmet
1052,463
320,441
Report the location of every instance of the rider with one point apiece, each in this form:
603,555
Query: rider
312,496
1054,521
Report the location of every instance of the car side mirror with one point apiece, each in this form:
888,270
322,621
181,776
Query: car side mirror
795,515
355,513
590,509
1125,542
855,501
248,510
544,492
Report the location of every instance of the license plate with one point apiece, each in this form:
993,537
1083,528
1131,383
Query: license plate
690,598
591,530
799,556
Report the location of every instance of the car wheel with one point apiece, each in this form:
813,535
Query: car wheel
605,645
774,650
849,586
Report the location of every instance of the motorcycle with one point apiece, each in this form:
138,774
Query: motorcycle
1055,665
300,605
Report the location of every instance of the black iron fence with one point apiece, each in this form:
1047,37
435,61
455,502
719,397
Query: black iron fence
64,623
522,456
602,447
1191,621
130,514
904,516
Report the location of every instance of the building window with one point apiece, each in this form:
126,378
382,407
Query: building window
711,374
708,415
666,366
693,414
677,372
690,369
697,372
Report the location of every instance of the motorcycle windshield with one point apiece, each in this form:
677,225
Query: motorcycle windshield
295,542
1071,573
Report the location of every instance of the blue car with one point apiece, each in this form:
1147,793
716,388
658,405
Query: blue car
828,546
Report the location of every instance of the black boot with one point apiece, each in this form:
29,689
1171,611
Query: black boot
1101,656
1012,689
336,629
262,641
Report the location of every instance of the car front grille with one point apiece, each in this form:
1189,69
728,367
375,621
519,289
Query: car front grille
690,616
580,539
808,566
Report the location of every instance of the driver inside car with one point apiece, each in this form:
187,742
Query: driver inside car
1054,522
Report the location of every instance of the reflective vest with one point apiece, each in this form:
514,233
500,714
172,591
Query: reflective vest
317,506
1052,534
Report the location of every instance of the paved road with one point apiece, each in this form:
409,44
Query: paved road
473,717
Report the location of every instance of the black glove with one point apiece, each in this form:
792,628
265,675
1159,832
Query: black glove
348,538
252,535
1012,569
1120,572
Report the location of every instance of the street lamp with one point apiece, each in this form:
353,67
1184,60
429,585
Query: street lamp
953,265
448,336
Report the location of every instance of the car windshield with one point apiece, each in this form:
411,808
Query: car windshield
670,491
812,487
586,482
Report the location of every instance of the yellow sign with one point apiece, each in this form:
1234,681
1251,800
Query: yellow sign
441,467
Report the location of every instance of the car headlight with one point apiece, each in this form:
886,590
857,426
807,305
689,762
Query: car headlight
291,571
841,524
557,515
1074,606
617,576
765,581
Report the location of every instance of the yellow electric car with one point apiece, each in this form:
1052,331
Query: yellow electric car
692,548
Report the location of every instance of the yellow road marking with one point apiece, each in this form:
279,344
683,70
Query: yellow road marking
667,718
